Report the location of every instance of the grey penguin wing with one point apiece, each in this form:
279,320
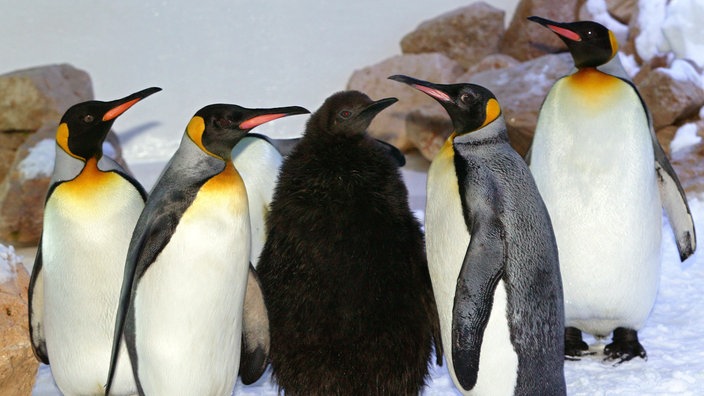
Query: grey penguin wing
255,331
36,308
675,203
672,194
481,271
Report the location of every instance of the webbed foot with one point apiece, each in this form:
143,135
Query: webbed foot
625,346
574,345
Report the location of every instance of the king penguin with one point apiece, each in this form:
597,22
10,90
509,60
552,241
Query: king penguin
187,269
492,254
258,161
605,178
90,211
343,269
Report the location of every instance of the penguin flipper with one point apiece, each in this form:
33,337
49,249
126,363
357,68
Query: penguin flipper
672,195
36,309
393,152
481,271
255,331
150,236
675,203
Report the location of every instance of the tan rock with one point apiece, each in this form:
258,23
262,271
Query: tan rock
32,97
672,93
9,143
18,366
390,124
526,40
428,127
465,35
22,196
492,62
689,164
622,10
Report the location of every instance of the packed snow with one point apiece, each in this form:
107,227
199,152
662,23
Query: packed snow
39,161
8,262
686,136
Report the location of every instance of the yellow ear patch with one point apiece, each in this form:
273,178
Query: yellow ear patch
62,140
614,43
493,110
195,130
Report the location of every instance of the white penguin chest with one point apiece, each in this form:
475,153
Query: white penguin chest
593,163
87,228
188,304
88,224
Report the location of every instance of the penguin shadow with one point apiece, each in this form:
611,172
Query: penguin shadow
129,134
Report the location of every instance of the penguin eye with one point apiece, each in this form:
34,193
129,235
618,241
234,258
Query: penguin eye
88,118
465,98
345,114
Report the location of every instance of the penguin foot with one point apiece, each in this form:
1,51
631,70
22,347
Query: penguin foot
625,346
574,345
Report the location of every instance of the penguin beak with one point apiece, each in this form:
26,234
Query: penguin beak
433,90
376,107
119,106
257,117
561,29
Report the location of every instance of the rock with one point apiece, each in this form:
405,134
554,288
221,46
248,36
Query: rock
465,35
9,143
427,128
671,93
492,62
622,10
526,40
22,195
18,366
689,164
521,90
390,124
33,97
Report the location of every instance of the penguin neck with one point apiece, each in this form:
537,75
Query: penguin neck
90,169
494,132
66,166
191,160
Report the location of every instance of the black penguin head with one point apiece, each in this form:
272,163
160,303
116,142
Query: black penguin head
591,44
84,126
217,128
347,113
470,106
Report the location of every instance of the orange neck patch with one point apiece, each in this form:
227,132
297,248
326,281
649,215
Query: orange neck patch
493,110
229,178
195,130
614,44
62,140
592,85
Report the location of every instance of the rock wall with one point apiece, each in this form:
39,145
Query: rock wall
18,366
